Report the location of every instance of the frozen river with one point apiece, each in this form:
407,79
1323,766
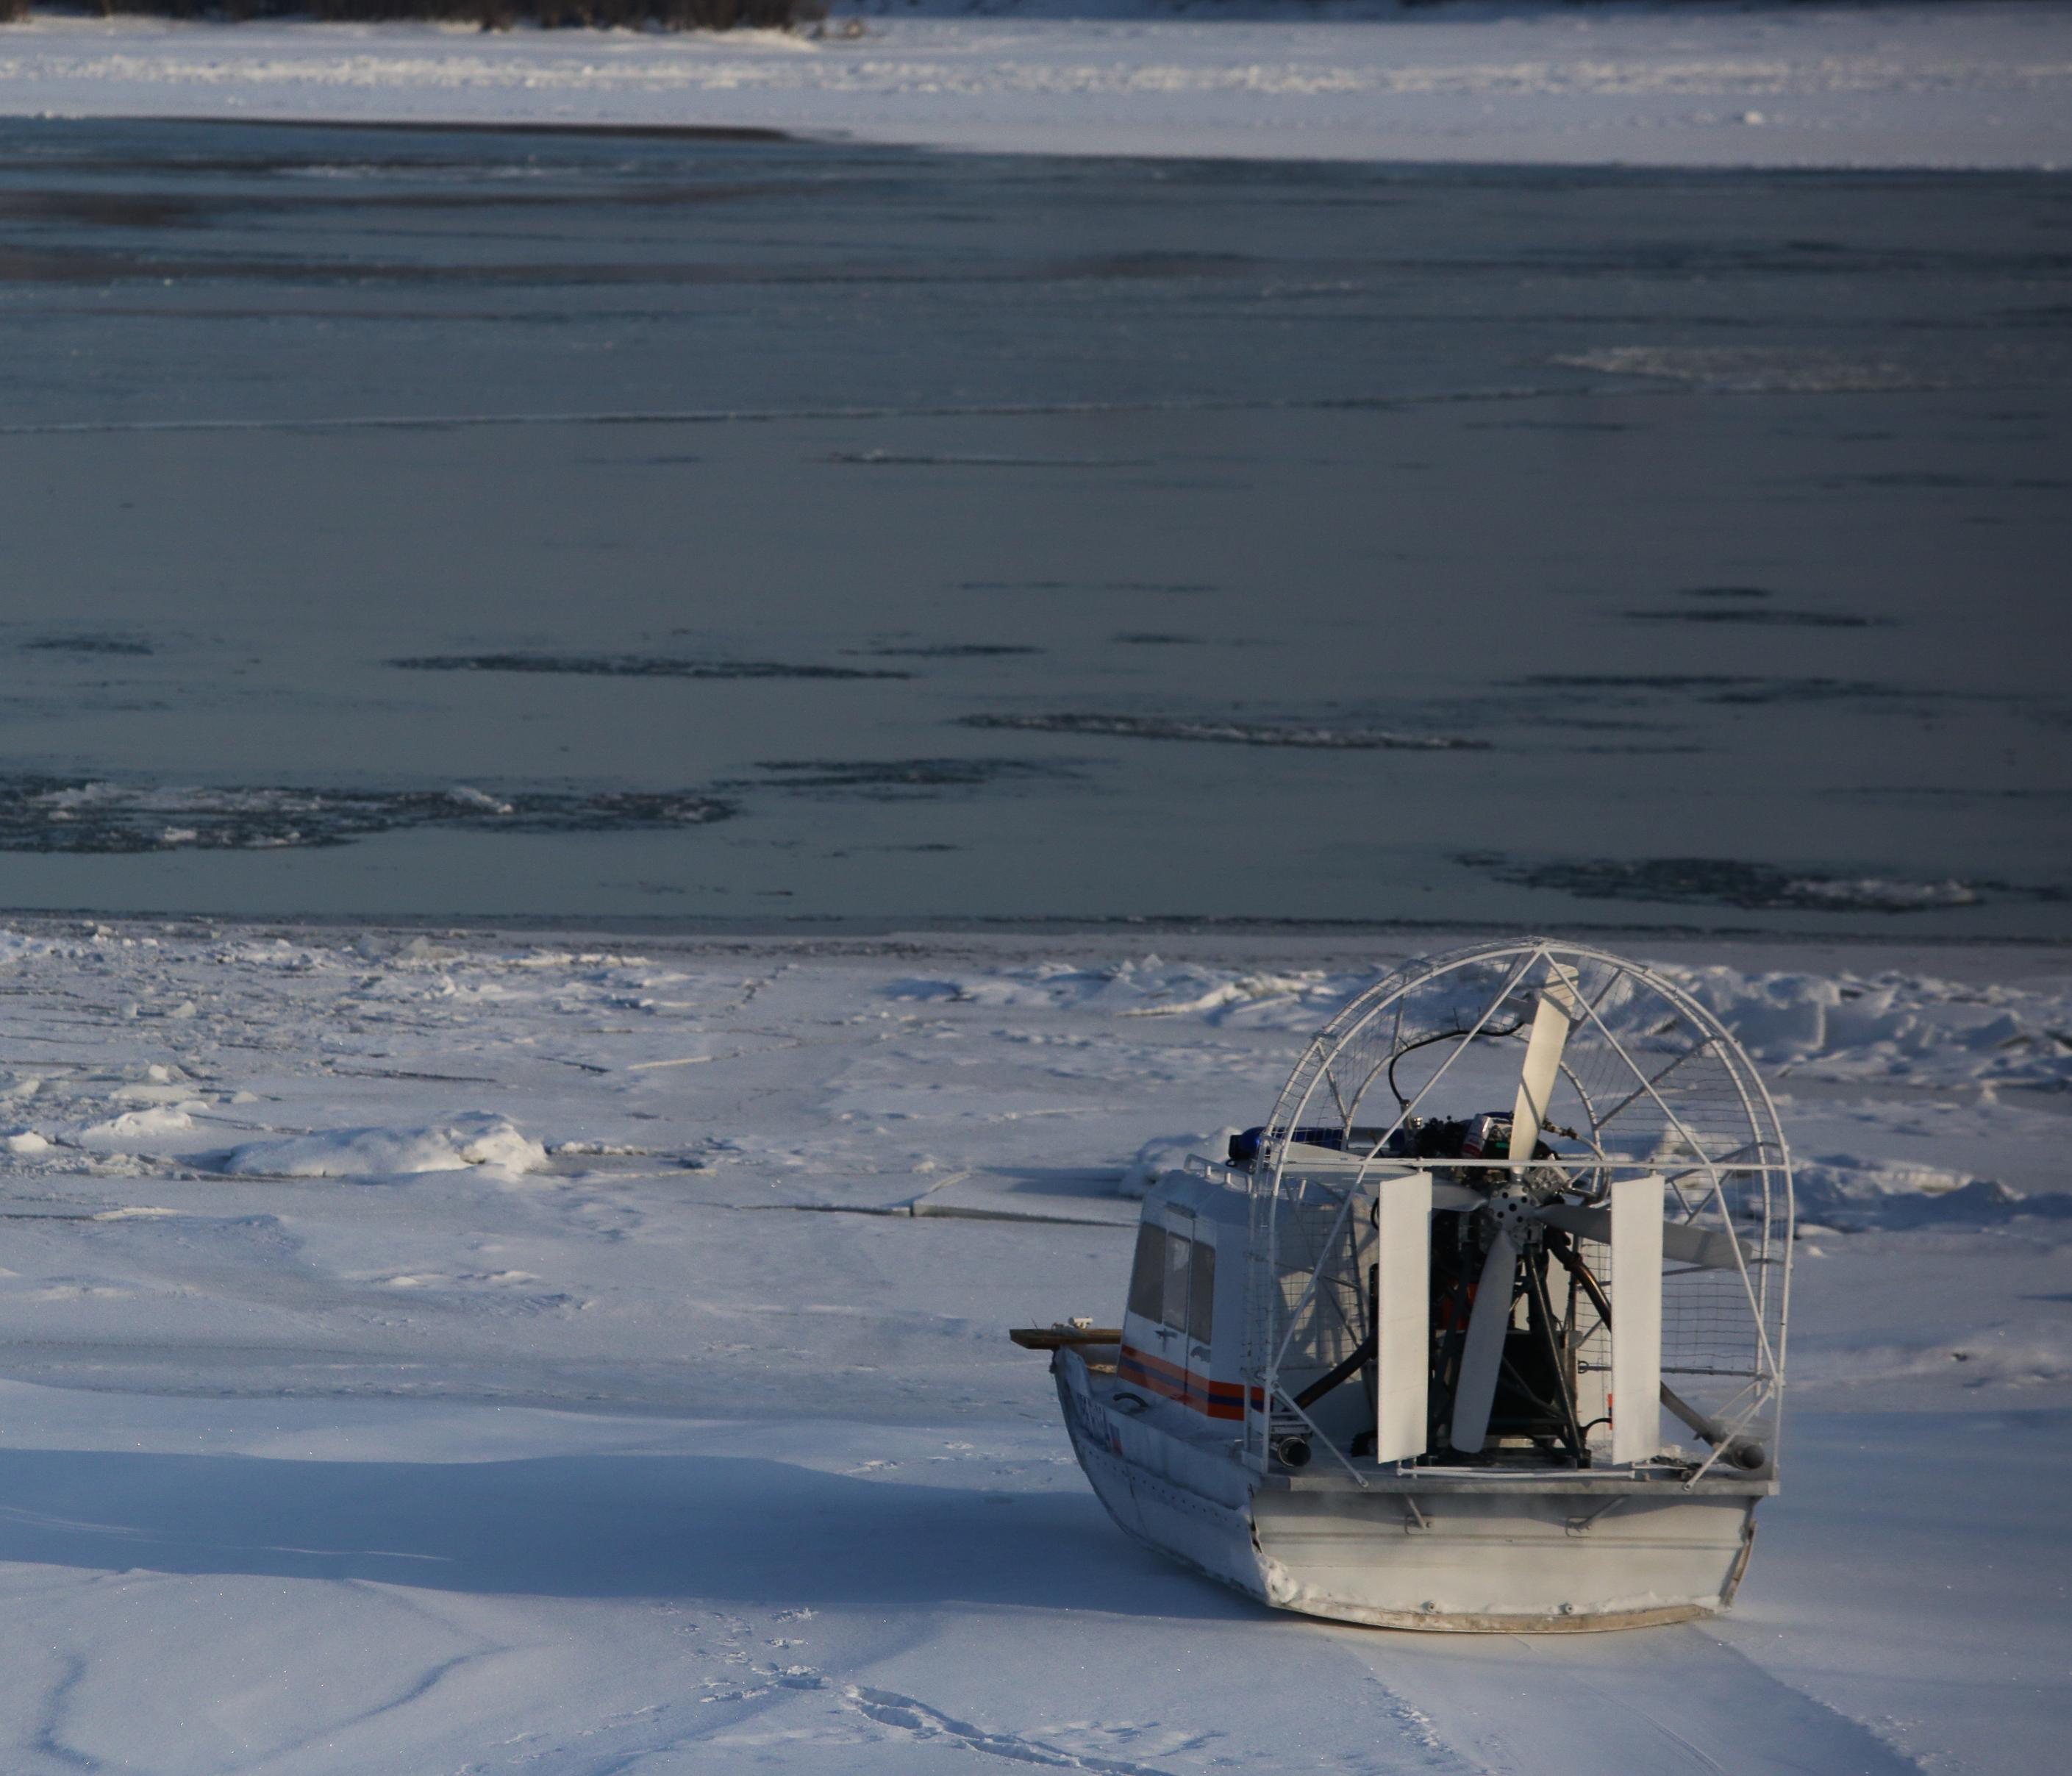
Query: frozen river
328,1450
639,527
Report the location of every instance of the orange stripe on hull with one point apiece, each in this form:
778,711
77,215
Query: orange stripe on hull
1197,1393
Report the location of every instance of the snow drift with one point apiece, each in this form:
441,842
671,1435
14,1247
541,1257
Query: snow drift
476,1138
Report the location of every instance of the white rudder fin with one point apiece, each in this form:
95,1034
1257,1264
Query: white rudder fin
1636,1294
1403,1315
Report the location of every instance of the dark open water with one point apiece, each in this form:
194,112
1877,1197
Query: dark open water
467,525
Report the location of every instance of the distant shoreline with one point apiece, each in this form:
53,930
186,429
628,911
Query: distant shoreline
1917,86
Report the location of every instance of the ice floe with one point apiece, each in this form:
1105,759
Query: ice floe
73,814
1231,733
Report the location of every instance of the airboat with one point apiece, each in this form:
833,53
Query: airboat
1403,1359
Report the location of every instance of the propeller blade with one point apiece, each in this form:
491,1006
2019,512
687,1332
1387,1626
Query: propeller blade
1715,1248
1585,1223
1712,1248
1552,1018
1482,1357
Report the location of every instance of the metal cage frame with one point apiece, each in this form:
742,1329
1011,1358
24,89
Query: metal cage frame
1736,1166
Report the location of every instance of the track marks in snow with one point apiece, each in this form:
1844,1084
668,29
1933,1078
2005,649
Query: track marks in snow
1685,1754
1676,1701
47,1741
421,1688
1751,1720
1420,1740
915,1718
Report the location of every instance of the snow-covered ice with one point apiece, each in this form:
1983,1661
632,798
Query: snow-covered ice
1918,85
435,1352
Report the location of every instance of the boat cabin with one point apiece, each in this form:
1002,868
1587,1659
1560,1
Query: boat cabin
1183,1329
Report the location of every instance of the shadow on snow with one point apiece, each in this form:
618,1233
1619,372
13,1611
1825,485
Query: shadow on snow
740,1529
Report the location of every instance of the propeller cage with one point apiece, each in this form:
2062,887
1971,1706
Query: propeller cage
1525,1207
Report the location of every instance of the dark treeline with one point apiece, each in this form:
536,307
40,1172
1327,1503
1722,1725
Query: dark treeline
490,14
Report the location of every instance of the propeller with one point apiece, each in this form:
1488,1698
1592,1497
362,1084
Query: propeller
1481,1357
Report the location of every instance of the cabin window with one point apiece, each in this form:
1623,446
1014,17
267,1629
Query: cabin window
1202,1294
1179,1265
1147,1276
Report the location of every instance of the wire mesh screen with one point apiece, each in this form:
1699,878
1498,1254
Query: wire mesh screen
1310,1301
1430,1061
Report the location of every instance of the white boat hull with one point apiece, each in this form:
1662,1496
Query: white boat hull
1506,1554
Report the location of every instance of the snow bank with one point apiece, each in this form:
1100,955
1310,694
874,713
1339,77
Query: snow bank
1979,85
1853,1194
1893,1025
1168,1153
1890,1025
1150,987
1887,1032
135,1131
476,1138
